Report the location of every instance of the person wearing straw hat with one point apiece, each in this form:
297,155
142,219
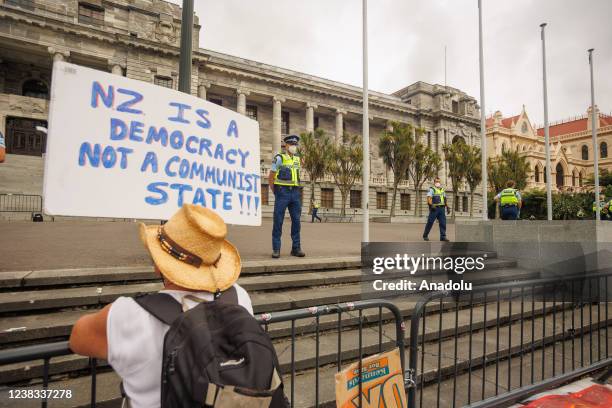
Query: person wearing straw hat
196,263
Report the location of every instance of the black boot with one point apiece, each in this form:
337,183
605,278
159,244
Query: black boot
275,254
298,252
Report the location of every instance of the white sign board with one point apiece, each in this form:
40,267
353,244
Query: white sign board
123,148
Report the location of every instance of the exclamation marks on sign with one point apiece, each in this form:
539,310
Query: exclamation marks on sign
248,203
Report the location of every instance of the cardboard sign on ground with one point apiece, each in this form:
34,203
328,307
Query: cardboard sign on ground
382,383
123,148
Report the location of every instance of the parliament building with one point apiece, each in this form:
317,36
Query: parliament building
571,147
140,39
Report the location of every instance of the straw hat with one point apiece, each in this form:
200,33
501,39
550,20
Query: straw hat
191,251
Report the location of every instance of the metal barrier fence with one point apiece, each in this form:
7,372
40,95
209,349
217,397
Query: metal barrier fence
356,317
544,332
20,203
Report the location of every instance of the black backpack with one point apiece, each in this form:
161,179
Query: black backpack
215,355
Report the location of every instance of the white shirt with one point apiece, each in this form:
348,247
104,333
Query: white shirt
136,340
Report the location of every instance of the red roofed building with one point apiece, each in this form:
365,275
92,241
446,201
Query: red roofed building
571,147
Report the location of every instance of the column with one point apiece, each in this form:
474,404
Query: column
339,125
276,124
202,89
310,107
242,94
58,57
116,69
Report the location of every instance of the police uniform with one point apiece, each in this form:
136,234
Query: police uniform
508,200
603,212
437,211
287,195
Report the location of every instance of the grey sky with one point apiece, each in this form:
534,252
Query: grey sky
407,39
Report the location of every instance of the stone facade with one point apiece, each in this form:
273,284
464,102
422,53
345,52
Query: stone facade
140,39
571,151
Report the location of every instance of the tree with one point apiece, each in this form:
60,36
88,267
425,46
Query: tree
473,172
517,168
423,166
453,155
345,164
395,149
315,149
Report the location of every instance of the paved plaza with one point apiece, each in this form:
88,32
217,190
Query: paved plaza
78,244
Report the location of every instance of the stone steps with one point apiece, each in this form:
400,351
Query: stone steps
107,383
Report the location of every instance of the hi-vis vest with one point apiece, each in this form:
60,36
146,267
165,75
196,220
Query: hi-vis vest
438,196
508,197
288,174
602,204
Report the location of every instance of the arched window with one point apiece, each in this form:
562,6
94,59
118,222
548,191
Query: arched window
574,178
580,179
585,152
503,147
537,174
560,176
544,174
35,88
458,139
603,150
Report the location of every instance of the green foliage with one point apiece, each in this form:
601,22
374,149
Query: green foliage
473,171
423,166
396,150
454,154
315,150
605,179
510,166
345,164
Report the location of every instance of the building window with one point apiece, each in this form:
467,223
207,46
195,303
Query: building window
24,4
316,122
560,177
429,139
265,194
455,107
216,101
381,200
90,14
35,88
355,199
251,111
537,174
585,152
404,201
162,81
503,147
409,101
285,123
465,204
603,150
580,179
327,197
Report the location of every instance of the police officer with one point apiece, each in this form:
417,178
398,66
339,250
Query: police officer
315,210
604,208
284,178
510,201
436,200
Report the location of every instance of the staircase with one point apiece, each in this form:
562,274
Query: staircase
40,307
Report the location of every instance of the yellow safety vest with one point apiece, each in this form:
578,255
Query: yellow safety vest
602,204
288,174
508,197
438,197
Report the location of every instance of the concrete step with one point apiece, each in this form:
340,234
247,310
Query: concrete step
59,277
90,276
280,299
108,382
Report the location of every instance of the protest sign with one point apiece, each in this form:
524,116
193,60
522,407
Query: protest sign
382,383
123,148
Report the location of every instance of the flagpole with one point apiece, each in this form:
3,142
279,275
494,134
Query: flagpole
546,129
483,122
186,47
365,195
594,133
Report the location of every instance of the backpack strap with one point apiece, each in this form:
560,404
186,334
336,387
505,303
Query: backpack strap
160,305
166,309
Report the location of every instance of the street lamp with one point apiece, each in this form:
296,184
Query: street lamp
546,129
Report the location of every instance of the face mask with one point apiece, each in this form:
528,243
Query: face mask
292,149
438,185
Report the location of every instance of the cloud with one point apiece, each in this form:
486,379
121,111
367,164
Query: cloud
407,40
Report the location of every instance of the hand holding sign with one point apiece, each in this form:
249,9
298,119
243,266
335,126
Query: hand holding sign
124,148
